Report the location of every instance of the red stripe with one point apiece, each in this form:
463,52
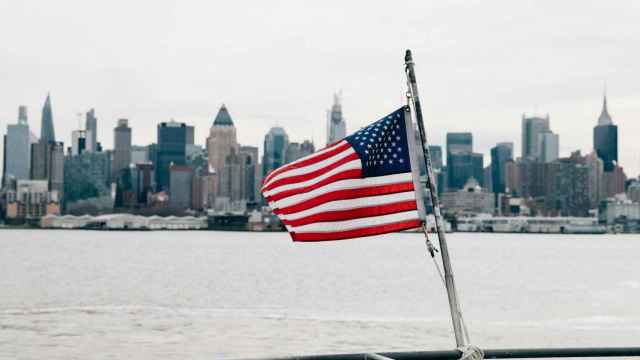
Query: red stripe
310,175
345,175
345,195
348,234
340,215
311,160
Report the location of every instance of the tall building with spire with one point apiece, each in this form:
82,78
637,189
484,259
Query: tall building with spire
336,126
226,162
47,155
222,140
47,132
605,139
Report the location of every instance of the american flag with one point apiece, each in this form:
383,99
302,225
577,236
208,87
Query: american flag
359,186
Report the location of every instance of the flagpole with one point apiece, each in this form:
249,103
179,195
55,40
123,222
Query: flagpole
454,306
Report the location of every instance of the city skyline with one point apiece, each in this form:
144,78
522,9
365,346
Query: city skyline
469,82
68,139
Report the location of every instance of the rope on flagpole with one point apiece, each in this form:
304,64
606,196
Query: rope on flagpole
432,251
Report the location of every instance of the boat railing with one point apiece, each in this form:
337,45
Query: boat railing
532,353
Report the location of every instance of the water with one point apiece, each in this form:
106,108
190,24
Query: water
208,295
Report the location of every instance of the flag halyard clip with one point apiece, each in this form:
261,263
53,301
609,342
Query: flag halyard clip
430,247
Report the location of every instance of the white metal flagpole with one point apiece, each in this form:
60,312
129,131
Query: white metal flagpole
454,306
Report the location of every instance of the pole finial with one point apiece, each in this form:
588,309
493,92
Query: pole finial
407,56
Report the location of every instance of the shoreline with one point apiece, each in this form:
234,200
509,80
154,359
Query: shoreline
13,227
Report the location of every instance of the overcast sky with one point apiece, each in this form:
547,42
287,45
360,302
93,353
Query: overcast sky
480,65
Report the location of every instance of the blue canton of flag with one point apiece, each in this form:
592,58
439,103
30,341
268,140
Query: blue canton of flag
382,146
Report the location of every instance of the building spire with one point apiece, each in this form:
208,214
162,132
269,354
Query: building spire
47,133
223,117
605,118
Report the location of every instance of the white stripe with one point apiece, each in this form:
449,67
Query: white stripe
351,165
327,227
319,152
341,185
350,204
312,167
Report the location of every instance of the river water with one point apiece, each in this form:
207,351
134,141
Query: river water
210,295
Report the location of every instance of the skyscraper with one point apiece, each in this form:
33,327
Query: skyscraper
548,147
222,139
605,139
461,142
336,126
225,160
80,142
55,169
250,173
460,162
436,156
17,151
181,182
231,183
22,114
47,155
121,148
47,132
500,154
571,191
275,146
296,151
87,176
172,139
595,167
477,164
532,127
139,154
190,135
39,159
91,126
